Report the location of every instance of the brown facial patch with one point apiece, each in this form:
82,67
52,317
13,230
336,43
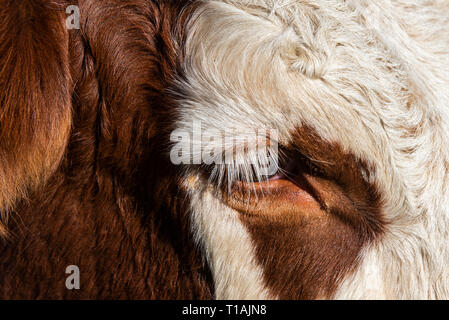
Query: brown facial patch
309,229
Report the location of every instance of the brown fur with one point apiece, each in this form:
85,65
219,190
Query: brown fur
113,206
35,86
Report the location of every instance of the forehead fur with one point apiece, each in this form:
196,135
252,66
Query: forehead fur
295,64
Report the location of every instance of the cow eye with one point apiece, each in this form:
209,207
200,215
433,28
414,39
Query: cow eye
291,167
308,166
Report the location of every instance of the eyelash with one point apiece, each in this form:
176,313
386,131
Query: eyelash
291,165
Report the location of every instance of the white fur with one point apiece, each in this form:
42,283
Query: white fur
370,75
228,247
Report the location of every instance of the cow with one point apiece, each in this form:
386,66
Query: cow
106,132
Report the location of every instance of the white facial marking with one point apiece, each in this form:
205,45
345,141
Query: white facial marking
228,248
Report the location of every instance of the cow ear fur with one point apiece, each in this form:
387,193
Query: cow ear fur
35,104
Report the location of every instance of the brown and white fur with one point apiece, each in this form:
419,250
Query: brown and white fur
359,88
